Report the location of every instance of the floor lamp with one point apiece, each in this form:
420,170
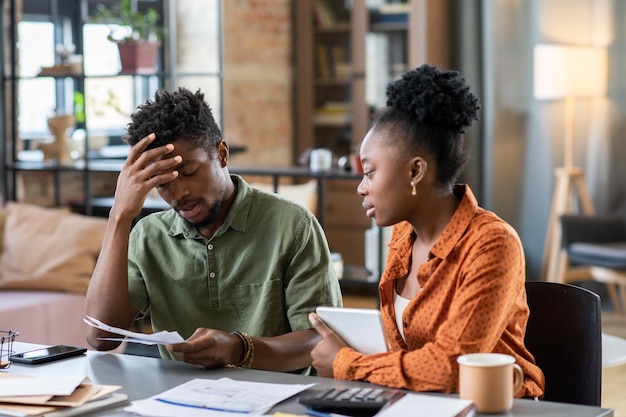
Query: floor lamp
567,73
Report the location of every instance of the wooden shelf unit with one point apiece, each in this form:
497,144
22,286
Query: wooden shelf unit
69,17
335,66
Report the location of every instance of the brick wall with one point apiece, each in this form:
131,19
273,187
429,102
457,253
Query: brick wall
257,80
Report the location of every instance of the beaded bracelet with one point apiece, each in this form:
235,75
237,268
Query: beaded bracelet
248,351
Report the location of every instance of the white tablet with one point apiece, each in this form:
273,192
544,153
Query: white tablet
361,328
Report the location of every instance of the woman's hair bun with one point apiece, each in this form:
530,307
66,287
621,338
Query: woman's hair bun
435,97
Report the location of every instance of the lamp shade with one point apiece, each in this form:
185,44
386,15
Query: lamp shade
569,71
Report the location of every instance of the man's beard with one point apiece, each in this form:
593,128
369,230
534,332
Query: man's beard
210,217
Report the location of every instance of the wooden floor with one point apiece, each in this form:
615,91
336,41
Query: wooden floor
359,301
613,379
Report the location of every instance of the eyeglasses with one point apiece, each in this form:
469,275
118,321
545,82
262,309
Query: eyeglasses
6,347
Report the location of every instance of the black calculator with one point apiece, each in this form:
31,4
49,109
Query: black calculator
361,402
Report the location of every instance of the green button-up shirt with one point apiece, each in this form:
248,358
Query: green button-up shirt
265,269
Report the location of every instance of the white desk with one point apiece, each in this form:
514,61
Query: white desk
613,350
143,377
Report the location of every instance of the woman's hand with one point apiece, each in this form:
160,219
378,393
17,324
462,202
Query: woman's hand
323,354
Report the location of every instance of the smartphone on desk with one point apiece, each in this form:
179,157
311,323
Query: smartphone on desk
48,354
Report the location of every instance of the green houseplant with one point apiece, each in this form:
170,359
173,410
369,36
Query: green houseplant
137,34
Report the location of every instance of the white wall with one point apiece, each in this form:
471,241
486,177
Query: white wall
524,136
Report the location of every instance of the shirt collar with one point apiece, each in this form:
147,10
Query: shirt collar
459,222
236,218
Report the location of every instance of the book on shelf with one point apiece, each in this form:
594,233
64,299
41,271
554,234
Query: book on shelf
336,106
324,13
331,61
333,113
389,18
394,8
340,67
343,70
321,61
391,13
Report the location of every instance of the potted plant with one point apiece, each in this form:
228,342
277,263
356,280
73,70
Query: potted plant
136,33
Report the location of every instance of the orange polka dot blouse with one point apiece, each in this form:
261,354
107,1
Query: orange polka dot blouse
472,299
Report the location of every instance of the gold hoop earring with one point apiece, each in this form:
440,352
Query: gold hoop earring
413,189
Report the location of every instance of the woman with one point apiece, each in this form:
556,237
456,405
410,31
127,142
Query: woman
454,280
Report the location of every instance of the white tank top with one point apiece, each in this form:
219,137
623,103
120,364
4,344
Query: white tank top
399,304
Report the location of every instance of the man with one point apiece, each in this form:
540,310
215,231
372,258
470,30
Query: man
233,269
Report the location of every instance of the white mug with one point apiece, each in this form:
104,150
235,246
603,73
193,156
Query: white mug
489,380
321,159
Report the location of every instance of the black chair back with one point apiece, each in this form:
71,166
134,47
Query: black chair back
592,228
564,334
595,240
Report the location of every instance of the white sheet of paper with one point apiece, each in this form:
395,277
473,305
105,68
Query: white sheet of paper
425,405
216,397
160,338
52,385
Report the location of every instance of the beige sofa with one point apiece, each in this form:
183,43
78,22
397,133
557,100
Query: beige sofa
46,260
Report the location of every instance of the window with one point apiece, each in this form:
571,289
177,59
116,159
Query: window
36,46
101,100
109,99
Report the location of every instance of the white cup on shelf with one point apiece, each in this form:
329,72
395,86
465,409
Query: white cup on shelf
321,159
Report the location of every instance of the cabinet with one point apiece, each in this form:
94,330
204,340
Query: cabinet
100,98
346,52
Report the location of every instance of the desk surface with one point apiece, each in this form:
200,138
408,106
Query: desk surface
142,377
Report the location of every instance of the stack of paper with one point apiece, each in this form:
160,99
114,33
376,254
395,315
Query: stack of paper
219,397
54,396
162,338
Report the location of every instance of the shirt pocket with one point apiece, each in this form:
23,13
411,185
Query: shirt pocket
262,307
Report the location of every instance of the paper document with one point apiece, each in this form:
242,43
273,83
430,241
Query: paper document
426,405
19,410
160,338
51,385
216,397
